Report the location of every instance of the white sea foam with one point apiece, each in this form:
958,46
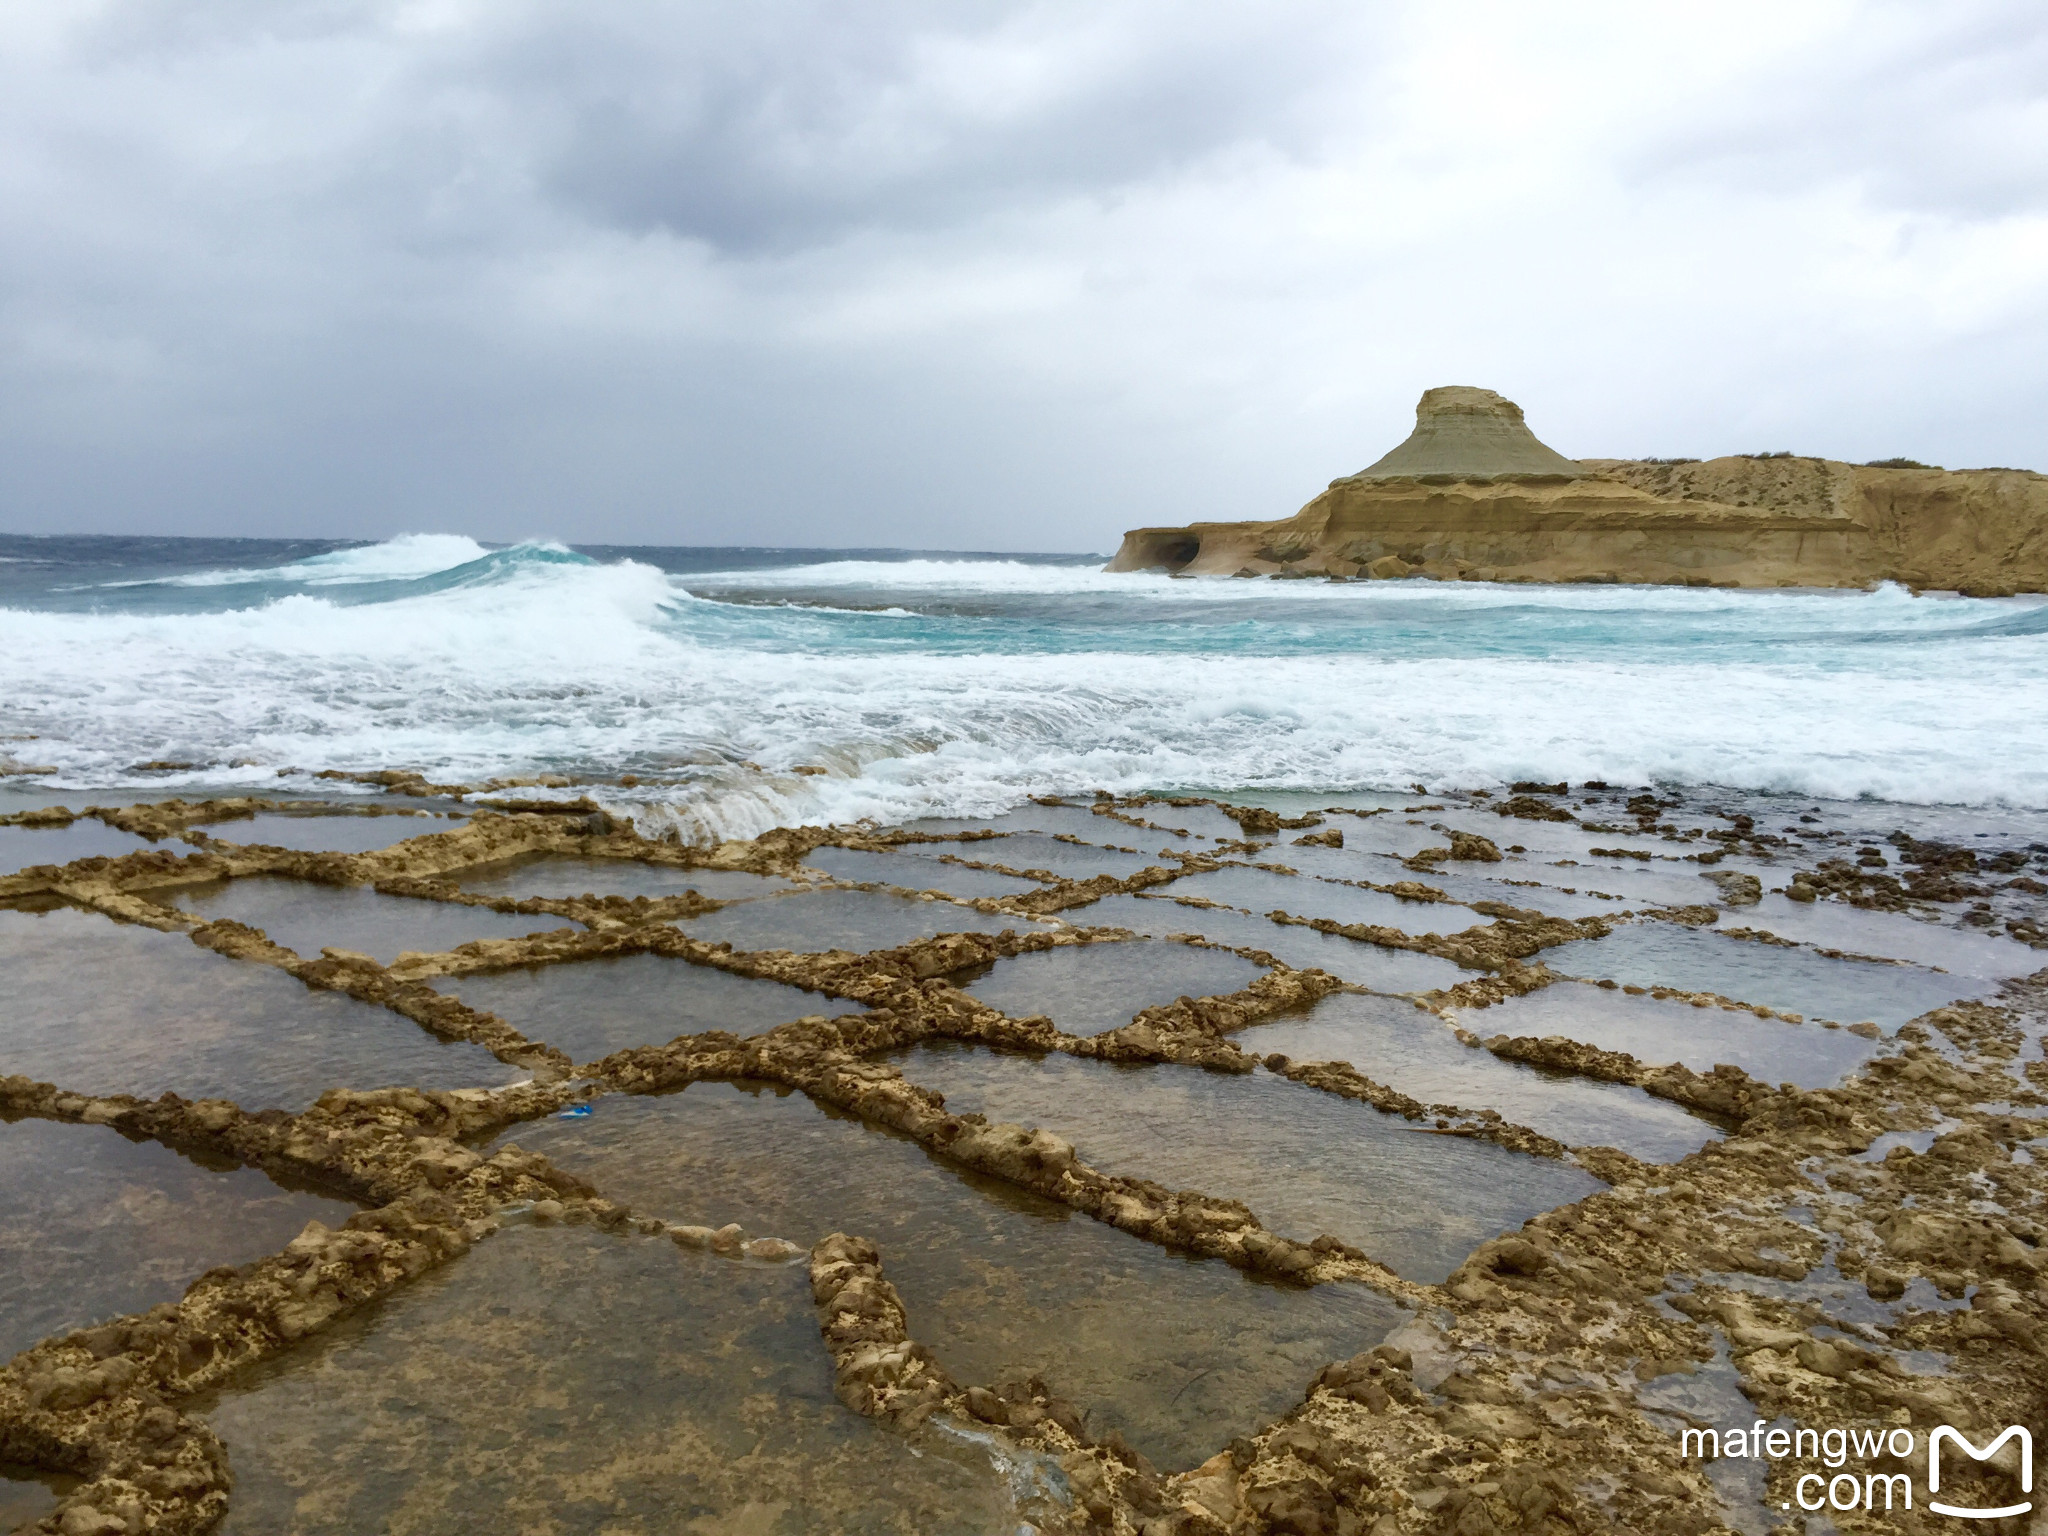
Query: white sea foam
545,662
412,554
967,575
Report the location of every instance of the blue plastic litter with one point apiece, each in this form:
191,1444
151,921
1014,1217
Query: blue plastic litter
574,1112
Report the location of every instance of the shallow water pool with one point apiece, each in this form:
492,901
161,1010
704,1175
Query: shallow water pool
1263,891
327,834
104,1007
1177,1353
1089,988
591,1008
1353,960
99,1226
1797,980
1306,1162
1658,1031
917,873
307,918
86,838
813,921
555,1379
562,877
1400,1045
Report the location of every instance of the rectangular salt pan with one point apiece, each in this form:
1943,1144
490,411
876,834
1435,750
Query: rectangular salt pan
1416,1053
1368,842
555,1379
103,1007
1068,861
1065,820
308,918
560,877
1178,1354
1656,1032
1796,980
1893,935
1072,820
592,1008
1204,821
860,921
1089,988
1262,891
1637,884
99,1226
916,873
327,834
86,838
1306,1162
1362,964
1548,895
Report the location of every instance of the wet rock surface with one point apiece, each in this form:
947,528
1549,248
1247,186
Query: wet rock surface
592,1009
99,1224
1307,1164
1373,966
561,877
999,1279
309,919
856,921
1103,1344
1697,1030
22,845
1090,989
1420,1054
564,1379
111,1008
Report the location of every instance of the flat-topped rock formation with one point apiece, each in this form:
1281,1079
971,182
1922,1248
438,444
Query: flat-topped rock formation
1466,432
1472,494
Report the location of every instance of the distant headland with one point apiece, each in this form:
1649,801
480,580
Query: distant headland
1473,495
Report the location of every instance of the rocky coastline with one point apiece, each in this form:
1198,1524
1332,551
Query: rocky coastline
1474,496
1538,1388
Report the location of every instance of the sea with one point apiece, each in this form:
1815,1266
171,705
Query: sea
946,684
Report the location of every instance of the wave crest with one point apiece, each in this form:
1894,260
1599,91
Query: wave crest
940,687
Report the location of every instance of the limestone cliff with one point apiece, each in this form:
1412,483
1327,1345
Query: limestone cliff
1473,494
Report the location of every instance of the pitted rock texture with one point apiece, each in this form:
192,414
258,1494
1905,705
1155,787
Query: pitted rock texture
1523,1382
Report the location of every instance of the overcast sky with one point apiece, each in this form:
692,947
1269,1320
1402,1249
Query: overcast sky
980,274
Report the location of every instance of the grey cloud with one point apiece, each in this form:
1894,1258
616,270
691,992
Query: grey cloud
787,123
997,273
1925,109
748,147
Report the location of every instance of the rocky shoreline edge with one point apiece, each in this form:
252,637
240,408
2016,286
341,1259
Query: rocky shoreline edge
1473,496
1521,1414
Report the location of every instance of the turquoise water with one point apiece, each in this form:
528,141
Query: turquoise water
956,686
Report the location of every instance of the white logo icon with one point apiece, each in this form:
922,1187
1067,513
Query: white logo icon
2026,1471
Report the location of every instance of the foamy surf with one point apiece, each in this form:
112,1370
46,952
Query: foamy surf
953,687
412,554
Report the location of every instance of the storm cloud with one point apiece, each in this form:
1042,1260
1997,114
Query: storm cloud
981,275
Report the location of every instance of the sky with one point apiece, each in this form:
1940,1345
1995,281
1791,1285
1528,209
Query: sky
982,275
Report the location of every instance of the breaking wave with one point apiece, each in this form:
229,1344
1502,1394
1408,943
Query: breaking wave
938,687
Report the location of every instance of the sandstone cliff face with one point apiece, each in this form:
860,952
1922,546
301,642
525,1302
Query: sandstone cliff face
1739,521
1971,529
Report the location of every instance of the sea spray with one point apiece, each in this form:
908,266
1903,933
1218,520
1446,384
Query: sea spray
947,687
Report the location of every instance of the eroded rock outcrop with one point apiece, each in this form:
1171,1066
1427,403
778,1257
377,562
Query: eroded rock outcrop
1473,495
